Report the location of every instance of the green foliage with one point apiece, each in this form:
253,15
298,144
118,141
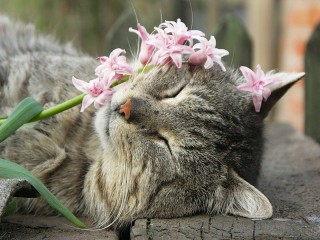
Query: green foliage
232,35
84,21
10,208
50,111
10,169
87,22
25,111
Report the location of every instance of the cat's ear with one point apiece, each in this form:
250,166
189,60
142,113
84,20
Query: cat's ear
242,199
278,90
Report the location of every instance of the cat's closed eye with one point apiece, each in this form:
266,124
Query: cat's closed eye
174,92
162,139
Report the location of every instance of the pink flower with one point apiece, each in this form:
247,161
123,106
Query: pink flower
171,43
167,49
96,91
145,50
113,67
168,44
207,53
258,84
180,31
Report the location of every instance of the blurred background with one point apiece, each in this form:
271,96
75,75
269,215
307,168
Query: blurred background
279,29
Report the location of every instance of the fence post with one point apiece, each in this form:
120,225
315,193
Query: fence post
312,86
232,35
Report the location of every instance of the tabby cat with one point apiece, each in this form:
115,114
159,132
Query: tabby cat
192,143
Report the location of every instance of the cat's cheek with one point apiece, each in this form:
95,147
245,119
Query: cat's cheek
101,124
120,96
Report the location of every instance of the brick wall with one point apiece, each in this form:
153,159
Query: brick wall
298,19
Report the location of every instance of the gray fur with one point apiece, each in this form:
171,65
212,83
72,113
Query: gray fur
195,152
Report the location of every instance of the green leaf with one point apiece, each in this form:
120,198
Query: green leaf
10,208
10,169
53,110
25,111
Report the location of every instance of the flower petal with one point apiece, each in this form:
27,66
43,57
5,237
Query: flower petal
257,101
116,52
102,59
266,93
196,33
220,63
209,63
246,87
81,85
220,52
259,72
197,58
143,32
177,59
86,102
213,41
145,53
248,74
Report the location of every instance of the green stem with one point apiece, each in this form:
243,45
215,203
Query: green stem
74,101
56,109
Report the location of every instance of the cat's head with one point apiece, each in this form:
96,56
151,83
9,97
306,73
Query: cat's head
191,139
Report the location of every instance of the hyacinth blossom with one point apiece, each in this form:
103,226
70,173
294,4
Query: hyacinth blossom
258,83
207,53
99,90
173,42
113,67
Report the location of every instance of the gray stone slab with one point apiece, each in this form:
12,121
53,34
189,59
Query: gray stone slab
13,187
290,178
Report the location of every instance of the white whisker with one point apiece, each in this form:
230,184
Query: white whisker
191,11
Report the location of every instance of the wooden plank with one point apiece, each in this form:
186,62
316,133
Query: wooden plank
49,228
312,86
262,21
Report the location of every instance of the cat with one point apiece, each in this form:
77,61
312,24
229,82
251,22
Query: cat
192,144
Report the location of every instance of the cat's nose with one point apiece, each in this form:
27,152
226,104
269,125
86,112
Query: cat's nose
125,109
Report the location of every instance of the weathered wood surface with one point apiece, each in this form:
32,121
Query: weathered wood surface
19,227
290,179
